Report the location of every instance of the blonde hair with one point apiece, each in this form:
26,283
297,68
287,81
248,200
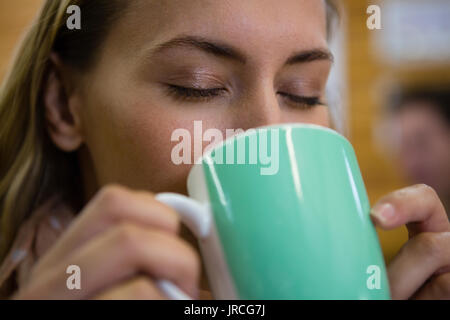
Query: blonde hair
32,168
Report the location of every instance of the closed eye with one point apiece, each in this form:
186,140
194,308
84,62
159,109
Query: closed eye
189,93
302,101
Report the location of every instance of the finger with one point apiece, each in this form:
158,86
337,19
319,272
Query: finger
139,288
117,255
111,206
417,261
417,206
437,288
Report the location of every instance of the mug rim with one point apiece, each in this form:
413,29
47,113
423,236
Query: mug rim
273,126
282,126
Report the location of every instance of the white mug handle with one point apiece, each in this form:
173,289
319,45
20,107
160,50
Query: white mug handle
197,217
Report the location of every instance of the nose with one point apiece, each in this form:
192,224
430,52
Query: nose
258,107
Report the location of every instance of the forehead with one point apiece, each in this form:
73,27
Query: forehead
260,25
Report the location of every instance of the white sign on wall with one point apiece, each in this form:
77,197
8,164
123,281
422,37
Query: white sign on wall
414,31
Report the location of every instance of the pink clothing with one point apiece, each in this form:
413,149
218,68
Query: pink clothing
35,236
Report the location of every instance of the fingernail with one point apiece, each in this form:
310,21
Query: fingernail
384,212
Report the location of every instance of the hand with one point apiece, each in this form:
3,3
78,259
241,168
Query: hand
122,241
421,269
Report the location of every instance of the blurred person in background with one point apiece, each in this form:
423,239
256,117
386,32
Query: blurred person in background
421,138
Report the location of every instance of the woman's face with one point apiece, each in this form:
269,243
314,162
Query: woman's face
254,61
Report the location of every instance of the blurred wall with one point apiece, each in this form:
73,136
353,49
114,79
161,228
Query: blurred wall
369,80
379,175
15,17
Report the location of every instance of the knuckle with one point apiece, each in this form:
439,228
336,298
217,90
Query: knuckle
401,192
110,199
429,244
173,222
183,260
171,219
168,217
426,189
400,196
127,237
112,193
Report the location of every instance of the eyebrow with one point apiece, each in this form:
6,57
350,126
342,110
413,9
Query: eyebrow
226,51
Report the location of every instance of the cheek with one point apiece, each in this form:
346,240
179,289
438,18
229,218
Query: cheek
131,144
151,166
145,146
323,116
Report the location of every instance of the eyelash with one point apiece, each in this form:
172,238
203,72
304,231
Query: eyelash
193,93
185,93
302,101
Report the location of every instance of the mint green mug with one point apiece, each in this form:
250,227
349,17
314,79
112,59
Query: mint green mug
281,212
